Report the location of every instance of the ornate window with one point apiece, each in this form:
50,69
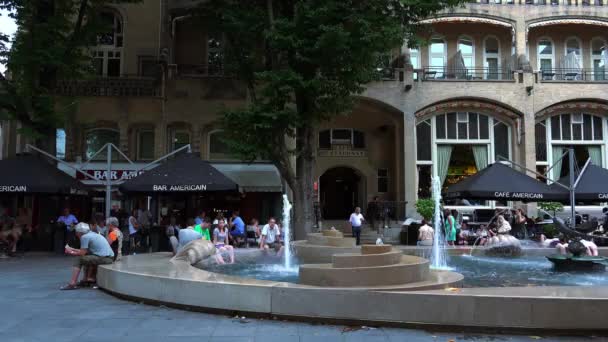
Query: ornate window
178,138
581,131
107,55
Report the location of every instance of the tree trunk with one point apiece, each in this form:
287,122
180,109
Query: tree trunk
303,192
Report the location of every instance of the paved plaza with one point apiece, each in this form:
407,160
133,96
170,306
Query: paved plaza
33,309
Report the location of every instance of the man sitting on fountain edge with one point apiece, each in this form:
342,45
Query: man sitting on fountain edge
271,237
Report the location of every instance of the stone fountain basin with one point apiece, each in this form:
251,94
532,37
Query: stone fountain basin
153,279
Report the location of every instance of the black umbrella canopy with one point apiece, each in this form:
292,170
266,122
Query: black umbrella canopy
34,174
501,182
184,173
593,186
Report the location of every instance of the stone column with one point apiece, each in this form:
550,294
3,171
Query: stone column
409,167
160,139
123,143
196,139
521,42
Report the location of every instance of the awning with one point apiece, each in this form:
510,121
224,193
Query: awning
34,174
184,173
501,182
593,186
253,177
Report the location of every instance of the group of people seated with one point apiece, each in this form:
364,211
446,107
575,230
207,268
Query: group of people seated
505,229
224,234
12,230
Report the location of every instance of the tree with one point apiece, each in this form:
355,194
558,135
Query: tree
50,45
303,62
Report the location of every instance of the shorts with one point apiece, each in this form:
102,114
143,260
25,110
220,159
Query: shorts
275,245
93,260
425,243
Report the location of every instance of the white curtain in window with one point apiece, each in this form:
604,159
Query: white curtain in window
444,153
595,154
557,161
480,152
459,66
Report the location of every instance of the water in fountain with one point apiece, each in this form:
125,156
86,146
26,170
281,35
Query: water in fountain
287,231
439,254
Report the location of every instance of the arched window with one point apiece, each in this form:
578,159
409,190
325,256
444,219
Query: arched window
546,56
454,145
437,56
491,58
599,59
107,54
96,138
584,132
218,149
467,51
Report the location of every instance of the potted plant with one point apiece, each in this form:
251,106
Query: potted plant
426,208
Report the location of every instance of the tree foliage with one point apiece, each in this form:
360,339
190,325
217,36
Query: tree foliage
50,45
304,61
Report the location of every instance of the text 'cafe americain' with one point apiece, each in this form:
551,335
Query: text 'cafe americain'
518,195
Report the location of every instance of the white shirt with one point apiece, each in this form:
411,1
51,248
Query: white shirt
271,233
356,219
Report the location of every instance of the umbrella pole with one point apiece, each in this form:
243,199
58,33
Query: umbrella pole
109,180
572,188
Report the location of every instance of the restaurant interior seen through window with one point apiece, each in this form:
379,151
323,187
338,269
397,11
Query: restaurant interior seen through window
453,146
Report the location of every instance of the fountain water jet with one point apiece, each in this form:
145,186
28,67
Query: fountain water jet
287,231
439,254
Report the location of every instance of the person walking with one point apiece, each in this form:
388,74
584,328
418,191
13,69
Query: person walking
68,221
134,234
356,220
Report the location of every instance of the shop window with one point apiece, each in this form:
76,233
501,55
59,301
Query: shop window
145,145
382,180
97,138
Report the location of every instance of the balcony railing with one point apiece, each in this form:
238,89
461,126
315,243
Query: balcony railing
197,70
573,75
466,74
110,86
542,2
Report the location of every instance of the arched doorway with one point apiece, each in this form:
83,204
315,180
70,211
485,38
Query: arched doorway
339,189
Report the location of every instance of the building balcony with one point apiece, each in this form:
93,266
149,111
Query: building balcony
196,70
126,86
465,74
560,75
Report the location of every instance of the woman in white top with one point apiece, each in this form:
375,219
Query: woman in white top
134,225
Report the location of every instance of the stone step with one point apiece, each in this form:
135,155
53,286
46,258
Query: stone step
367,260
411,269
